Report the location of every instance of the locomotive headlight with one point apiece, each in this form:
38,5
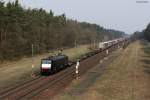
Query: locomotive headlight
46,64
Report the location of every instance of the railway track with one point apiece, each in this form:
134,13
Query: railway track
28,87
53,89
32,88
7,89
67,76
62,81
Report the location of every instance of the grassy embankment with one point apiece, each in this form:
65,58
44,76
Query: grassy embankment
18,71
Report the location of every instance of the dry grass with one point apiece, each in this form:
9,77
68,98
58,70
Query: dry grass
12,73
75,53
124,79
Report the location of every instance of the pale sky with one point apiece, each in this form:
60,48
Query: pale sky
123,15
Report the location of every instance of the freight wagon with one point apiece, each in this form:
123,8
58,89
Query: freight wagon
103,45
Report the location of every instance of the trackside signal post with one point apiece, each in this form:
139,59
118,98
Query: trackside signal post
77,69
32,74
118,46
75,43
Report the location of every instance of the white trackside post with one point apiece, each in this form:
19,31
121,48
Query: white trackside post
107,51
77,69
101,61
118,46
123,44
32,74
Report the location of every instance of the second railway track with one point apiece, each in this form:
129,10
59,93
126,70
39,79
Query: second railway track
34,87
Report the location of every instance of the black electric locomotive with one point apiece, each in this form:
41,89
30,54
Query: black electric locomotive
53,64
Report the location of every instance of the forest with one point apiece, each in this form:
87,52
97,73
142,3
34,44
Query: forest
20,28
147,32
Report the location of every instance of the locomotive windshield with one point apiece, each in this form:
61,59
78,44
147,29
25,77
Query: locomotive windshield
46,61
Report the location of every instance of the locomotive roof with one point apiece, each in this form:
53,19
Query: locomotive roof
55,57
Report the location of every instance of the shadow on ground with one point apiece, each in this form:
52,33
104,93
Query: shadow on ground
146,60
147,69
146,47
88,81
85,84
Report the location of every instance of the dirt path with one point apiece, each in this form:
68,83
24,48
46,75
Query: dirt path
126,78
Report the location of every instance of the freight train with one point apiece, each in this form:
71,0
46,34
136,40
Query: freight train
53,64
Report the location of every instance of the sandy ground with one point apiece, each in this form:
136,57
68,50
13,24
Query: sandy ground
12,73
127,77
